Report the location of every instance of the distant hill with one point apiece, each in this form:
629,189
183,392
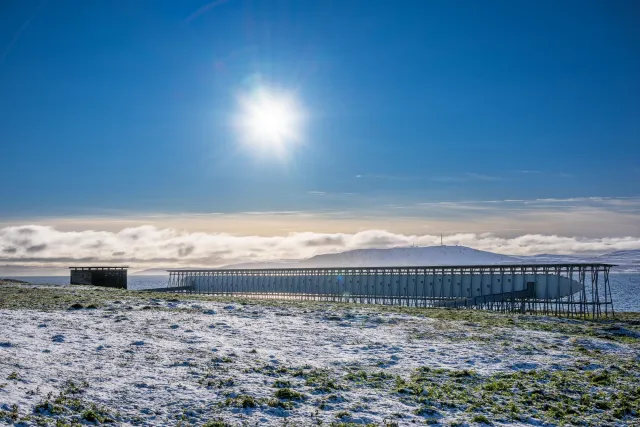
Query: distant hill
442,255
627,260
392,257
628,254
413,256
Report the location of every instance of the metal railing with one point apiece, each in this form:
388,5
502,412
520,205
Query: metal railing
574,290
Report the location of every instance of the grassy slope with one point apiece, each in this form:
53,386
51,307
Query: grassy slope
606,395
40,297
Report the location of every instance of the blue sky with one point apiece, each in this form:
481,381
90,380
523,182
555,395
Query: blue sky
124,109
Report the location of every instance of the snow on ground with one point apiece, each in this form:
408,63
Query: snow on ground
158,361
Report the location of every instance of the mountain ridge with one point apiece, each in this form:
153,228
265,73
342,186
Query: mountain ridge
427,256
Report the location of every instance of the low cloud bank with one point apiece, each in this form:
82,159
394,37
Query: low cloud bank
151,246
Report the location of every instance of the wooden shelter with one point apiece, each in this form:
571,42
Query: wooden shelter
110,277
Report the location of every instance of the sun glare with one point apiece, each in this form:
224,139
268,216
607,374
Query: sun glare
270,120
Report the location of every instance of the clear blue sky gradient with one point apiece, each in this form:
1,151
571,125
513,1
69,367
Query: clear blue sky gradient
126,104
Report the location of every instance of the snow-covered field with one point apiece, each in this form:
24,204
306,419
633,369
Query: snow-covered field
153,360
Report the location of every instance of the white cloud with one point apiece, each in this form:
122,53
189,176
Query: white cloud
151,246
594,217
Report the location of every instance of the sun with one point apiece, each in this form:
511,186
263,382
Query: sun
270,120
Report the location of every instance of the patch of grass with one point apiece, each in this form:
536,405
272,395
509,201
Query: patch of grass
462,374
268,370
482,419
427,410
47,407
600,378
20,296
217,382
361,378
223,359
282,384
288,394
321,380
350,424
342,414
72,387
12,415
70,403
356,376
277,403
96,415
241,401
556,397
497,385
